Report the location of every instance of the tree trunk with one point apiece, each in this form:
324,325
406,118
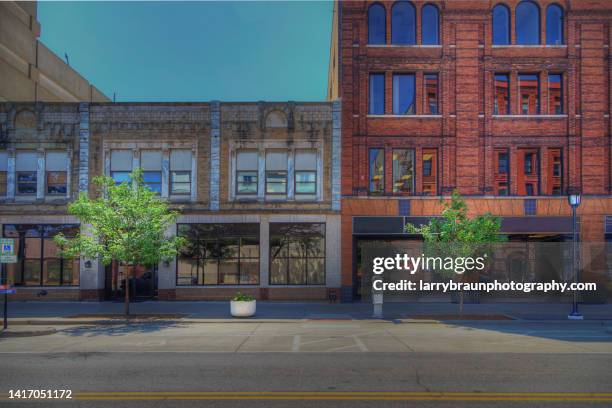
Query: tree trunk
461,304
127,292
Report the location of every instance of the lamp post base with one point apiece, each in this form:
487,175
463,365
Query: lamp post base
575,316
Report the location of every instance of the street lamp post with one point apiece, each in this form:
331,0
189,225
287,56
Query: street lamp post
574,202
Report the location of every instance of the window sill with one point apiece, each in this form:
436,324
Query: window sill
403,46
406,116
529,116
529,46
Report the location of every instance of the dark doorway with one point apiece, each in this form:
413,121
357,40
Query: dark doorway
143,281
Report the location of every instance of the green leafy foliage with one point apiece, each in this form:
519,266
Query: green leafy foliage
241,297
127,222
457,235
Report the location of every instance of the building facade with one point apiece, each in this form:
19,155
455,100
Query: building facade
254,184
506,102
29,70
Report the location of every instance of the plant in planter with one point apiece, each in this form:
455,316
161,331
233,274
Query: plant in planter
243,305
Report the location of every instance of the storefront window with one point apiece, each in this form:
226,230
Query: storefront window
38,260
297,254
218,254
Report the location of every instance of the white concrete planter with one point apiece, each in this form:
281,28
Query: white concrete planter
243,309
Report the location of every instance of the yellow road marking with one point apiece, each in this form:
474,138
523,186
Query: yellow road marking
315,395
339,395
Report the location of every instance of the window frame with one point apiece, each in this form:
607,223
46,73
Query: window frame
423,25
549,7
518,23
370,23
393,173
214,241
508,94
561,93
427,110
508,23
287,257
295,182
23,231
371,98
413,104
384,169
538,94
64,184
172,182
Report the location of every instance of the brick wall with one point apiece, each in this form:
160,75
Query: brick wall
467,132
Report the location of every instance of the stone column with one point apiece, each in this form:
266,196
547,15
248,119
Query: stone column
215,153
40,175
336,155
83,147
11,179
264,251
165,187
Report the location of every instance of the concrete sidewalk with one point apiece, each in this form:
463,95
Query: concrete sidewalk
271,310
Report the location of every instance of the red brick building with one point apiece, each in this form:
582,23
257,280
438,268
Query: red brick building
507,102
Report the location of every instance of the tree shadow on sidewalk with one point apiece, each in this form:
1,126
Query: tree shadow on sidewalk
121,328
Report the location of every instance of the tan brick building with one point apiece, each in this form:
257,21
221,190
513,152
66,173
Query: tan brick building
30,71
253,182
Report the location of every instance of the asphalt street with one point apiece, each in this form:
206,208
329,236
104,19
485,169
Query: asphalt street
335,364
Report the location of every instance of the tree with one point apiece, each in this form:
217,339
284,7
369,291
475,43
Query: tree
126,222
456,235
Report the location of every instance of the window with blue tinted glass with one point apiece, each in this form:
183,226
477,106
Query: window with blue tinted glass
430,25
555,94
152,179
403,23
121,176
377,171
501,25
403,94
377,25
554,25
377,94
527,23
529,92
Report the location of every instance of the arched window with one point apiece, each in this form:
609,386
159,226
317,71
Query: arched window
501,25
403,23
430,25
554,25
527,23
377,24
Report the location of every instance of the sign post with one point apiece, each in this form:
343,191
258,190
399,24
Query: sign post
7,255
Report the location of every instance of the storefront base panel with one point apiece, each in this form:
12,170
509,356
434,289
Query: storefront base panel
318,293
46,294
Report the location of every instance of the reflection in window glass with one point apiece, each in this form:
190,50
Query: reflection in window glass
377,26
377,94
403,23
554,25
246,182
501,103
527,23
555,94
431,93
501,25
430,32
377,171
403,94
218,254
529,90
297,254
403,171
38,259
152,180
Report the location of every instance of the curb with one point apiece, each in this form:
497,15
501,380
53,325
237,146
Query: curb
26,333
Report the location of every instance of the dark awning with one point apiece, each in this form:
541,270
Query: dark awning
510,225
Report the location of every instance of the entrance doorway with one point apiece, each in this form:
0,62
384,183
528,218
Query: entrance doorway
143,281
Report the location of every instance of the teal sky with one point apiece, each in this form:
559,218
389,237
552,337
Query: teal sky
195,51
